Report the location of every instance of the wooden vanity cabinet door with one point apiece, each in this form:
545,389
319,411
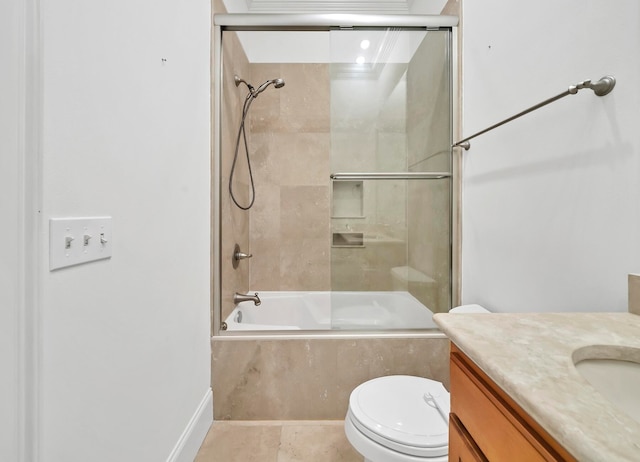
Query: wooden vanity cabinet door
500,428
462,448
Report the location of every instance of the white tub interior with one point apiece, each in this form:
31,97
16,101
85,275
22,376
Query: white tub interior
331,311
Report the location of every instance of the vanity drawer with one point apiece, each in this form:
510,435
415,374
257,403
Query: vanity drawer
462,448
500,428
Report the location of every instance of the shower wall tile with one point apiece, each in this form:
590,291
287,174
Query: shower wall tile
292,158
234,221
305,107
291,249
303,264
301,106
428,112
429,244
307,210
266,108
369,135
347,266
290,224
391,155
354,151
307,379
306,159
265,222
265,264
367,268
428,207
219,7
266,240
452,7
305,253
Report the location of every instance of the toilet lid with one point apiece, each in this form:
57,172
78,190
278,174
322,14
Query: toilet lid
392,410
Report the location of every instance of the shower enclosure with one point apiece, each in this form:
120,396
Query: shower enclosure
342,202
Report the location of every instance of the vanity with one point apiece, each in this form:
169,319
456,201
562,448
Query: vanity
517,394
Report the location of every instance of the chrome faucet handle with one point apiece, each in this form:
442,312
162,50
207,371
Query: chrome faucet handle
237,256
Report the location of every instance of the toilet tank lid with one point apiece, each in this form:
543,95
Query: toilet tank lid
473,308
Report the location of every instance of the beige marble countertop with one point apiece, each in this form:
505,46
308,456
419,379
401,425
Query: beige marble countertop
529,355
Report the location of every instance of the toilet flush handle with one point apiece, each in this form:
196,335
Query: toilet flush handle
439,403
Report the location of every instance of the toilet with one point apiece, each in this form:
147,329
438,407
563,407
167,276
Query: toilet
401,418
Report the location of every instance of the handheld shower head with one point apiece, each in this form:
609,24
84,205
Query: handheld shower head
248,100
277,83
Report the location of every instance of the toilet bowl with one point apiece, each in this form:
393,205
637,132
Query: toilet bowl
391,420
401,418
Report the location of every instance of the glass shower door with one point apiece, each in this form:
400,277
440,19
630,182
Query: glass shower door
391,187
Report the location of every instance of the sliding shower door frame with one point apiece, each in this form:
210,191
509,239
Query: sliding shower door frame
324,22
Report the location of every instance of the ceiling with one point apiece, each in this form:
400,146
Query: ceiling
336,6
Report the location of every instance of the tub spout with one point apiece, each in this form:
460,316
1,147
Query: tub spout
237,298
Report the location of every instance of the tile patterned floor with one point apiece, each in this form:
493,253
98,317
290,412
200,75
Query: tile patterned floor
277,441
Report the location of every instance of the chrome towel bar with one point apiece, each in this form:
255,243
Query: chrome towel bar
600,88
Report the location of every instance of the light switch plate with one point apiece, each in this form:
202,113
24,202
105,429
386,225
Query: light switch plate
73,241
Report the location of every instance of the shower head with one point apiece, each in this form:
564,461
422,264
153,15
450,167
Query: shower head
278,83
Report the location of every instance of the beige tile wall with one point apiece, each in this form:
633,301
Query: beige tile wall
304,379
369,135
452,7
428,116
289,225
287,230
234,221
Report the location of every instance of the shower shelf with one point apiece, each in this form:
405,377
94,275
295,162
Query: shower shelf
347,240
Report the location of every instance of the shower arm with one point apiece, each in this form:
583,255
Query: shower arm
600,88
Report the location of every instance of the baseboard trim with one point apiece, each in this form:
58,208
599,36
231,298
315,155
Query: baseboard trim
191,439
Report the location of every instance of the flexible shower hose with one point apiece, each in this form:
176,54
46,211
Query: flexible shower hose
241,134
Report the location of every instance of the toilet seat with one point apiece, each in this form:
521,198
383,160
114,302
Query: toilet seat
392,412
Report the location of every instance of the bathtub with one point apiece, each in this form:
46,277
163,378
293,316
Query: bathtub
289,311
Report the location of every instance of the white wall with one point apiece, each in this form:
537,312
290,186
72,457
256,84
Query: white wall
551,211
126,356
11,112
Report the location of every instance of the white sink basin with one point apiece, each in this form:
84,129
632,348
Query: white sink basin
615,372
